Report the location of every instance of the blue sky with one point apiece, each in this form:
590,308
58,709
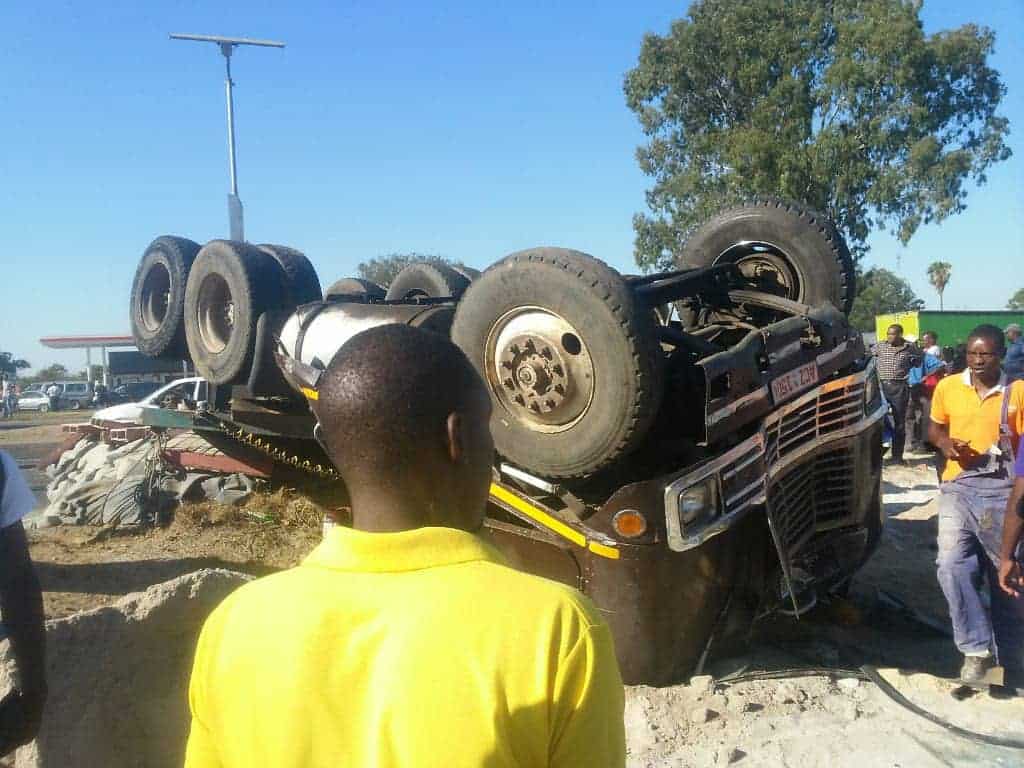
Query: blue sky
469,129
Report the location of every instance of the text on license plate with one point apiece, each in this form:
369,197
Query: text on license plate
788,384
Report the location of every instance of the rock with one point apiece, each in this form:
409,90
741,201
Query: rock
848,683
702,685
730,755
718,702
118,676
702,715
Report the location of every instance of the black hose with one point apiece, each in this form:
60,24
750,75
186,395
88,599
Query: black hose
980,738
870,674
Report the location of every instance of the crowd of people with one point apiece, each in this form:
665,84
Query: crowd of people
972,416
9,392
406,639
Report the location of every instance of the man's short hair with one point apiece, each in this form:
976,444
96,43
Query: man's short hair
386,395
897,326
1013,328
933,334
989,333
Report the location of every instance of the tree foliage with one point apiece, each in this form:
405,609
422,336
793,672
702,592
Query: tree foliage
845,105
382,269
50,373
10,365
1016,301
880,292
939,273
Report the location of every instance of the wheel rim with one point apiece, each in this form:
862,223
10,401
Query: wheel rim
767,265
539,369
216,313
156,297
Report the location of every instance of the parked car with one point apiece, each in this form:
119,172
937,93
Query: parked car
185,392
33,400
134,391
75,395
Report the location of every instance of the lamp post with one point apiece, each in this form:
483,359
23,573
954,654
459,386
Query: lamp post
227,46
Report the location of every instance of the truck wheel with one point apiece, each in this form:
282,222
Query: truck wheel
231,284
301,282
355,286
571,361
467,272
158,297
431,280
784,248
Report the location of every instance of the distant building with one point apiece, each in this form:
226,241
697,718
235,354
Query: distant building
127,367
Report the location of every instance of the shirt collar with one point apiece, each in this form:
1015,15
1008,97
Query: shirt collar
965,377
346,549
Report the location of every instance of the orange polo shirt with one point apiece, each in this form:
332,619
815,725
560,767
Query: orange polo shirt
973,419
418,649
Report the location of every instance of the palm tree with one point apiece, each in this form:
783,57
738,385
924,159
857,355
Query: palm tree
938,276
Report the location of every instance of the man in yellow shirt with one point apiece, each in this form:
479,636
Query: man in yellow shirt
405,640
977,419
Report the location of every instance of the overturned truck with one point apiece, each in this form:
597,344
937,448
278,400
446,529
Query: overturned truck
691,449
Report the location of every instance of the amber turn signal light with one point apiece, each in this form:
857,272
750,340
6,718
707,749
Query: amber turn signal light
629,523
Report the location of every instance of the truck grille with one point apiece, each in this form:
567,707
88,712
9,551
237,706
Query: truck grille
827,411
812,496
743,481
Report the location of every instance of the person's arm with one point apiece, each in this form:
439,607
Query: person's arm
588,705
938,435
21,603
1013,525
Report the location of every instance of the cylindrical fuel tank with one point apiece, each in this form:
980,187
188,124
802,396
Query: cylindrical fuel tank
315,332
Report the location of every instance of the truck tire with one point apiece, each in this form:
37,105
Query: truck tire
787,249
158,297
354,286
570,359
431,280
231,284
301,282
467,272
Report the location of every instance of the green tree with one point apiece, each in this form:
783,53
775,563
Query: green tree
51,372
939,273
11,365
845,105
1016,301
880,292
382,269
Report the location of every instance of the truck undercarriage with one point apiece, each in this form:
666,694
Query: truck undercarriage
684,447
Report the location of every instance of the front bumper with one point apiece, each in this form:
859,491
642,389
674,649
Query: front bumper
806,485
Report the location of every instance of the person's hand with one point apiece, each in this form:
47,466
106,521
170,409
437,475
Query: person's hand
951,448
21,714
1010,578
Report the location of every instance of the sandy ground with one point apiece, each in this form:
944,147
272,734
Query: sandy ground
894,618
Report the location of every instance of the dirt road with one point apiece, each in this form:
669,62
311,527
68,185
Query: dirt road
895,617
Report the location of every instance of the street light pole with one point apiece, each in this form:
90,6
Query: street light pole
227,46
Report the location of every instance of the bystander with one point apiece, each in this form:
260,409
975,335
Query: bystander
21,607
1013,364
1010,577
405,640
977,418
896,356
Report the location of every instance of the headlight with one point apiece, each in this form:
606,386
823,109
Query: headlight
699,502
872,394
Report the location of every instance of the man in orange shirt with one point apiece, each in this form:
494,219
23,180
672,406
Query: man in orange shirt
976,421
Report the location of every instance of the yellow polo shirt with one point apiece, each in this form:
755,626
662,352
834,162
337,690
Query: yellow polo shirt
419,648
956,404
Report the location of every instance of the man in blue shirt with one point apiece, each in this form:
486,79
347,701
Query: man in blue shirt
1013,363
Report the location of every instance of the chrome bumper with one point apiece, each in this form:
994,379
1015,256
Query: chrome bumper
825,416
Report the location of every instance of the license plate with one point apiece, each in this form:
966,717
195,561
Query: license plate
788,384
